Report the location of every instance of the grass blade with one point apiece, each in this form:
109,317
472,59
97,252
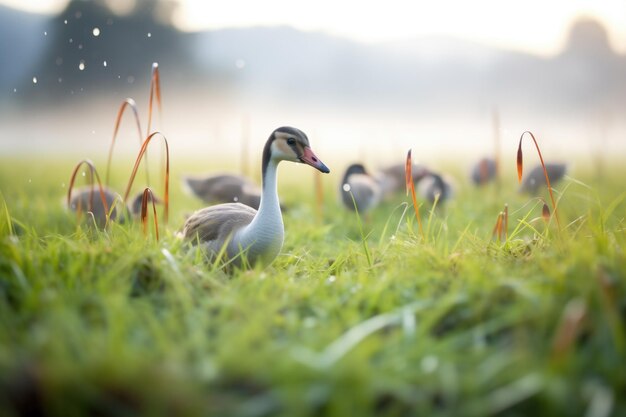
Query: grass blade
366,248
155,89
505,222
545,171
142,151
545,212
319,195
497,229
93,173
7,223
410,185
147,194
128,103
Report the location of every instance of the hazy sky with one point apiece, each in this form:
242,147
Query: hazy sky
537,26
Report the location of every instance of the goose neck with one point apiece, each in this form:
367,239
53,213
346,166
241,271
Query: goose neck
269,196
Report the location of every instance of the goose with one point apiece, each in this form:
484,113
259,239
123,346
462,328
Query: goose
88,199
364,188
536,178
238,228
392,179
224,188
484,171
435,184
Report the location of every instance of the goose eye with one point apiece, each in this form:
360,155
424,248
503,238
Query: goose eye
291,141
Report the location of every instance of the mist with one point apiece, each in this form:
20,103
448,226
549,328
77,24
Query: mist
65,77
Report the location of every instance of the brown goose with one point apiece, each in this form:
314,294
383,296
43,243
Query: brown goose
535,178
242,229
88,200
484,171
224,188
392,179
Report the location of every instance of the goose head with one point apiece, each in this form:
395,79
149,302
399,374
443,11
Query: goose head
291,144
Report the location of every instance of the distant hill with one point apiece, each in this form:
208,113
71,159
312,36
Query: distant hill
424,71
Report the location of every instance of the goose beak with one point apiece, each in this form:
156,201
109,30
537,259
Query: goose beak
309,158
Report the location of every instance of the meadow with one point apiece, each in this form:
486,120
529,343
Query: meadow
357,316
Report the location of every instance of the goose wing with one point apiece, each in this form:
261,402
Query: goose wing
233,191
217,223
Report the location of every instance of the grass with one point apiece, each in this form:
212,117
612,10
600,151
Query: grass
347,321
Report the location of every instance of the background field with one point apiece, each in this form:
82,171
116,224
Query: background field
356,317
114,323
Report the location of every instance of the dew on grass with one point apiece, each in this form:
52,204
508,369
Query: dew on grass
81,65
149,34
96,31
45,34
331,279
34,80
104,63
65,22
346,187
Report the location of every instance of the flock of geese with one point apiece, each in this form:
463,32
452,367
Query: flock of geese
247,223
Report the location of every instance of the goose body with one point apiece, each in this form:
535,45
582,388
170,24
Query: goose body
434,185
88,199
238,228
225,188
484,171
535,178
358,184
392,179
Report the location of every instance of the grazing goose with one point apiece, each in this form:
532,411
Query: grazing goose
434,184
392,179
89,200
535,178
484,171
259,234
358,183
225,188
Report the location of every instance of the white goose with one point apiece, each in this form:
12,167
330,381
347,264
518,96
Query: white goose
359,189
258,234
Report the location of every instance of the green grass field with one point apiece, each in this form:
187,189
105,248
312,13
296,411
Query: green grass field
348,321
